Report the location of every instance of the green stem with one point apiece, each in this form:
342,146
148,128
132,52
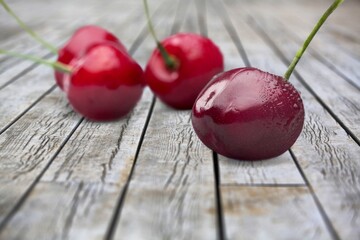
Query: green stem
300,52
170,62
27,29
56,65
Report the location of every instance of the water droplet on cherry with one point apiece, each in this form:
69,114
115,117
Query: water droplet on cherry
256,127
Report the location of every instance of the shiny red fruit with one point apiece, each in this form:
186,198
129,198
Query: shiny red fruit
105,83
80,41
248,114
199,60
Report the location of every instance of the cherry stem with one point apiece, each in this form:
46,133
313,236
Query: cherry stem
56,65
301,51
170,62
28,30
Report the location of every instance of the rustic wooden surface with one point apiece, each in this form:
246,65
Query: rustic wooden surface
147,176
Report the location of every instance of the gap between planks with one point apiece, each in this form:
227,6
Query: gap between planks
28,191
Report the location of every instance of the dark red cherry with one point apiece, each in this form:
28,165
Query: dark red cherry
248,114
80,41
198,60
106,83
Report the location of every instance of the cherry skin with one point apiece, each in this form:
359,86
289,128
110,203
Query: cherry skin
105,84
248,114
198,59
81,40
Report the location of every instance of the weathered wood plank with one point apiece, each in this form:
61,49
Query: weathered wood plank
277,171
48,203
88,176
101,152
327,157
271,213
26,91
280,170
172,192
83,182
172,189
28,146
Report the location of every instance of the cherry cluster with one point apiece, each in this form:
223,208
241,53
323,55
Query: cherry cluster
105,83
243,113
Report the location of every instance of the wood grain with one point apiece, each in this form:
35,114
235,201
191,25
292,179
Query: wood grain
172,190
62,177
28,146
326,155
264,213
88,174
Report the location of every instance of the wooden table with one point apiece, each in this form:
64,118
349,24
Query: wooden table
148,176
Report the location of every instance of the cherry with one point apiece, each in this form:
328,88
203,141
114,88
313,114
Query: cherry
102,85
101,80
181,66
83,38
250,114
198,59
105,84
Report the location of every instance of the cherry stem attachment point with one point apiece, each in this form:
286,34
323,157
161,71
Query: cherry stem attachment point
170,62
56,65
27,29
302,49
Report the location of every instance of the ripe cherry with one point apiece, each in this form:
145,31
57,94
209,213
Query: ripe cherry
102,85
248,114
181,66
197,58
105,84
81,40
101,80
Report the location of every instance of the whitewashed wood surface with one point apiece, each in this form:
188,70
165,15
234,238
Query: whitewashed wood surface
148,176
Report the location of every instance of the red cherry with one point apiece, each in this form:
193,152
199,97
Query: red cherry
198,58
105,83
80,41
249,114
